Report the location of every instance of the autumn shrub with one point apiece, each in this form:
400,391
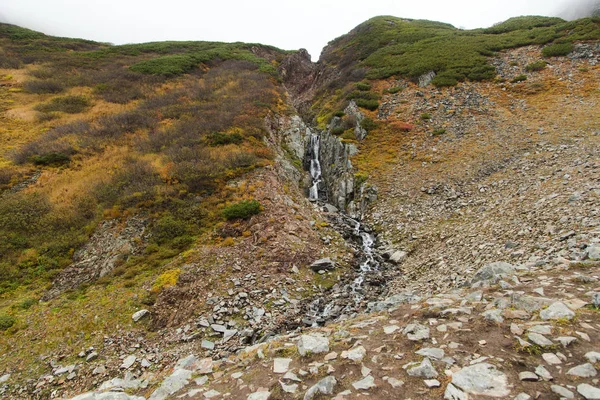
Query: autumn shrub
169,65
113,126
368,124
67,104
364,86
371,105
519,78
43,86
168,228
221,139
242,210
536,66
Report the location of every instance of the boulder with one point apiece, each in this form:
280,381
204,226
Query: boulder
482,380
312,344
324,386
423,370
493,272
589,392
139,315
324,264
556,311
593,252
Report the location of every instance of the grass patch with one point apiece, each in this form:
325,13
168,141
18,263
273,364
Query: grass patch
519,78
557,50
536,66
242,210
67,104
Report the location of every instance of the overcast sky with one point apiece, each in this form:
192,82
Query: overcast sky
286,24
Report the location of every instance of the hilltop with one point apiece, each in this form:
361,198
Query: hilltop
156,235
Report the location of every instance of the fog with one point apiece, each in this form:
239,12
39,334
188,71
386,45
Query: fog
306,24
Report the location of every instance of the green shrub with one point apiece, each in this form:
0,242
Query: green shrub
371,105
444,81
51,159
363,86
221,139
536,66
339,114
27,303
67,104
439,131
242,210
368,124
394,90
519,78
557,49
425,116
6,321
338,130
170,65
168,228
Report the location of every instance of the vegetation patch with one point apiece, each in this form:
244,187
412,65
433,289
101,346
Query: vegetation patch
6,322
67,104
242,210
536,66
557,50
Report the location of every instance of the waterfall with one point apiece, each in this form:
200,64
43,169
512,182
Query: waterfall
315,166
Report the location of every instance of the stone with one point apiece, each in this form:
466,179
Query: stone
453,393
293,388
551,358
493,316
281,365
540,340
434,353
395,383
365,383
211,393
324,264
92,356
173,383
482,379
207,344
593,356
324,386
398,257
528,376
596,300
355,354
4,378
139,315
128,362
416,332
541,329
566,340
593,252
543,373
493,272
556,311
522,396
562,392
388,330
586,370
259,396
218,328
312,344
423,370
589,392
290,376
331,356
107,396
432,383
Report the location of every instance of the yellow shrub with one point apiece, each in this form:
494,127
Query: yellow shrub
166,279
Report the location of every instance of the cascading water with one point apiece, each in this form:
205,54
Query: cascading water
315,166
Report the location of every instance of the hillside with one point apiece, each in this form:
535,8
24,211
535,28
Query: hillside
154,204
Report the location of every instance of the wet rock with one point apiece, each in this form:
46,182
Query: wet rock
482,379
589,392
324,264
423,370
364,384
324,386
583,371
139,315
312,344
557,310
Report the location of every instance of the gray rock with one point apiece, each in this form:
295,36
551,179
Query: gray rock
4,378
593,356
128,362
139,315
432,383
173,383
293,388
423,370
432,352
588,391
218,328
324,264
540,340
394,301
365,383
259,396
596,300
128,382
211,393
566,340
493,272
207,344
192,363
586,370
324,386
562,392
543,373
557,310
482,379
398,257
312,344
107,396
453,393
541,329
416,332
92,356
281,365
355,354
522,396
493,316
551,358
528,376
593,252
